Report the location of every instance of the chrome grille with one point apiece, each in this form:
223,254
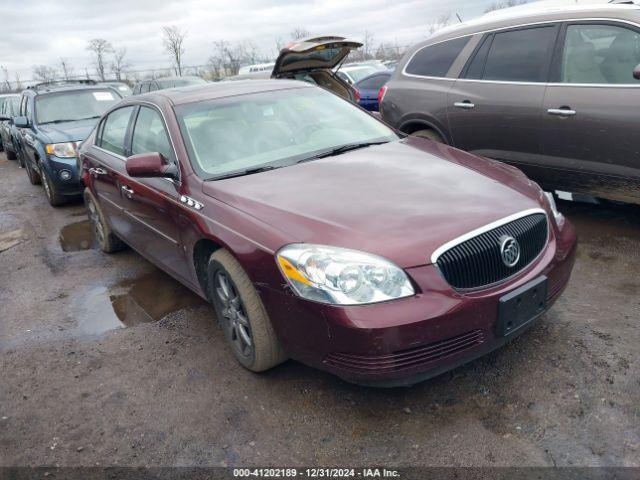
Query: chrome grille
477,262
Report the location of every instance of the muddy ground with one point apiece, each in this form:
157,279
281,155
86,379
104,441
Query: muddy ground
106,360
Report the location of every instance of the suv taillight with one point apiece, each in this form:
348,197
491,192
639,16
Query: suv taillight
356,94
381,94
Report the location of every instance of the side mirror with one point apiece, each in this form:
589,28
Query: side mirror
151,164
636,72
21,122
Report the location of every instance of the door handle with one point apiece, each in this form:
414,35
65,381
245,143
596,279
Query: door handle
127,191
97,171
465,104
562,112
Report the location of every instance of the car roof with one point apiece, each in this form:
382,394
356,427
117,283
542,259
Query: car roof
537,12
212,91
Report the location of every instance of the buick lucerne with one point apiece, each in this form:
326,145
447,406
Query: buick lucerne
320,234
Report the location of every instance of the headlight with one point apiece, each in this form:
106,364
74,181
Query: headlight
340,276
62,150
559,218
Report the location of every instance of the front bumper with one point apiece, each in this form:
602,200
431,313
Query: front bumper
409,340
55,166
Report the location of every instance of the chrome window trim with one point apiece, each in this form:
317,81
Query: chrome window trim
479,231
109,152
173,145
510,27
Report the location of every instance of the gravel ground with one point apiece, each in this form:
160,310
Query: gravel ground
96,370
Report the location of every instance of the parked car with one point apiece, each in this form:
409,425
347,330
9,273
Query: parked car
369,87
552,92
354,73
123,89
314,59
53,119
320,234
9,105
166,82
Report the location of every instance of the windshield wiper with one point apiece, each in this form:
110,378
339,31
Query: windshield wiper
64,120
342,149
241,173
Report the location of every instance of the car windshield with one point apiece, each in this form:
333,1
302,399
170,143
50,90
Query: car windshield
73,105
273,129
359,73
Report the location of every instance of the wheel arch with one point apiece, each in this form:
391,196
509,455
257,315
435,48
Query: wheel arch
414,124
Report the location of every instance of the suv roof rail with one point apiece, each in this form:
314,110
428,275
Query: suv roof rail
62,83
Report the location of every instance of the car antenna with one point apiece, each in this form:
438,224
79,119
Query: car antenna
459,19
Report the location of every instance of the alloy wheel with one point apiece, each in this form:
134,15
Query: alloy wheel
96,224
234,317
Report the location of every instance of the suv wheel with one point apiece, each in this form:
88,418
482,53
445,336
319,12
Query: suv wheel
11,155
430,134
51,190
242,315
107,240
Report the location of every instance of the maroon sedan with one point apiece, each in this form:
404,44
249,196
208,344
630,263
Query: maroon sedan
320,234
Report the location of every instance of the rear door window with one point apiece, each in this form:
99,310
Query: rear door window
520,55
599,53
149,134
436,60
374,83
114,130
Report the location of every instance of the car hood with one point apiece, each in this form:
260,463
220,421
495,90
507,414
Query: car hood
68,131
400,200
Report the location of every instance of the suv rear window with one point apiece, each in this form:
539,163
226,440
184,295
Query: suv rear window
517,56
436,60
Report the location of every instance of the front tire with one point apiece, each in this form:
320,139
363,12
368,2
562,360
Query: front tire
242,315
51,190
429,134
102,233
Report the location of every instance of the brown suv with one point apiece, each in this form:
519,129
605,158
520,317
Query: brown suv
554,93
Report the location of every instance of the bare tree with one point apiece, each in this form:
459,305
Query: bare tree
6,85
499,5
100,47
367,45
299,32
44,73
279,45
438,23
17,82
119,64
173,40
66,68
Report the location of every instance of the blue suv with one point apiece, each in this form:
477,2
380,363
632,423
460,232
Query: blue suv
54,119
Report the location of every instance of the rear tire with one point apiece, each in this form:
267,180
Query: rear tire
51,190
102,233
11,155
429,134
242,315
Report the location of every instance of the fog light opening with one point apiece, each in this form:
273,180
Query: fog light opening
64,174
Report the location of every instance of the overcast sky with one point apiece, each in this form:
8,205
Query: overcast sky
34,32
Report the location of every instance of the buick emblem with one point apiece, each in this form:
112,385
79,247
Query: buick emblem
509,250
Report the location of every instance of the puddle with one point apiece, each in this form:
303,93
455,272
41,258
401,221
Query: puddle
76,236
133,301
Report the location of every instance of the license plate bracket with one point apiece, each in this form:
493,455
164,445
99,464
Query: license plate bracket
521,306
